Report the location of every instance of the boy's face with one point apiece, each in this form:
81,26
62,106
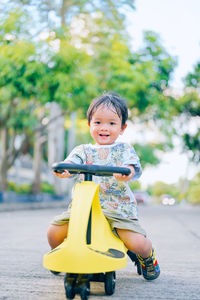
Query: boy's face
106,126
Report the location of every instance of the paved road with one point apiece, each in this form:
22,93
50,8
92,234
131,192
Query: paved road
173,230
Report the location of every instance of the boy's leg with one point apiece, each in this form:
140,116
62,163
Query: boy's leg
142,246
56,234
135,242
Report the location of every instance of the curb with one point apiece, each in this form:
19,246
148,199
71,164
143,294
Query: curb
4,207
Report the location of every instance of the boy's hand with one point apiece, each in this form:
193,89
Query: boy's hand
121,177
64,174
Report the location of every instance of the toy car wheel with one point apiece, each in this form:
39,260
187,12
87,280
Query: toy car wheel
109,283
88,287
54,272
70,292
84,293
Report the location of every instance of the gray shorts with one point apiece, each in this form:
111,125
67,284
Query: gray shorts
113,220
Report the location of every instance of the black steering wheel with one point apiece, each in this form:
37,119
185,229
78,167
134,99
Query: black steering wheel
89,169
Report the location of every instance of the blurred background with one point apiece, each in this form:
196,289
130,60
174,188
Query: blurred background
57,55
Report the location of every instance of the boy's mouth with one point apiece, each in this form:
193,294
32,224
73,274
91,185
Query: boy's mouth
104,135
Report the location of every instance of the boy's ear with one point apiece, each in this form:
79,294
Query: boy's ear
123,128
88,124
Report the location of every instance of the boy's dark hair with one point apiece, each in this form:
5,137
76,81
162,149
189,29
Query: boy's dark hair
110,99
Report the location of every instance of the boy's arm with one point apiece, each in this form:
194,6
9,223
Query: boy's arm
131,160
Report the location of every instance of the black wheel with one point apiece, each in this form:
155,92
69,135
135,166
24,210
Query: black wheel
109,283
55,272
69,284
70,292
84,293
88,288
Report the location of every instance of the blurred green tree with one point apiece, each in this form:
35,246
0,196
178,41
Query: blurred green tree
18,89
85,52
193,191
161,188
66,82
189,109
29,79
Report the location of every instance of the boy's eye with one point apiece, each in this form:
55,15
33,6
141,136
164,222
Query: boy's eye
112,123
97,122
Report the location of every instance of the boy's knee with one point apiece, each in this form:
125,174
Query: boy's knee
141,243
142,246
51,234
51,230
56,234
135,242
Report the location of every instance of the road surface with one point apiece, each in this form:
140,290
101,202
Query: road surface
174,232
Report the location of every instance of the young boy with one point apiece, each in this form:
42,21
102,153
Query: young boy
107,116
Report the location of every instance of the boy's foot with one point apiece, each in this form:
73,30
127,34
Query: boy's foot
150,266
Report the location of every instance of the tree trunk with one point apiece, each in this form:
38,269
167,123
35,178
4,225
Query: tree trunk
62,12
72,133
3,159
36,186
56,143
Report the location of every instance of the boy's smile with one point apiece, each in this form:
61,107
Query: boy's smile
106,125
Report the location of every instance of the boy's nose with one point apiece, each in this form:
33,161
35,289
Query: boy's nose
104,127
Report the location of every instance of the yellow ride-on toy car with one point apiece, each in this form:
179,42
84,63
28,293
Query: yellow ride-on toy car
91,252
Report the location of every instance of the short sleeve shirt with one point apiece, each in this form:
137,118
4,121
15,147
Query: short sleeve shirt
116,196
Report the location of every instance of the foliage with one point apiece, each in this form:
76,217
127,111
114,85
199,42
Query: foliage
21,71
183,190
161,188
193,192
28,82
47,188
157,66
143,76
83,132
193,78
19,189
147,154
192,145
189,103
188,107
26,188
67,77
17,86
62,11
77,61
135,185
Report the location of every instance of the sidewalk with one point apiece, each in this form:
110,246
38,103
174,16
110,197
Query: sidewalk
12,202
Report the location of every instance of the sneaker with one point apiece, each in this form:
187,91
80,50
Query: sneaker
150,266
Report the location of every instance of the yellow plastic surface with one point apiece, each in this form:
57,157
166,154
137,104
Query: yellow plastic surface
74,255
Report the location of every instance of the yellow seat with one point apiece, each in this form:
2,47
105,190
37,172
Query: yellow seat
103,252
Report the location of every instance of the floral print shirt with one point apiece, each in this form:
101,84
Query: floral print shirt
116,196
